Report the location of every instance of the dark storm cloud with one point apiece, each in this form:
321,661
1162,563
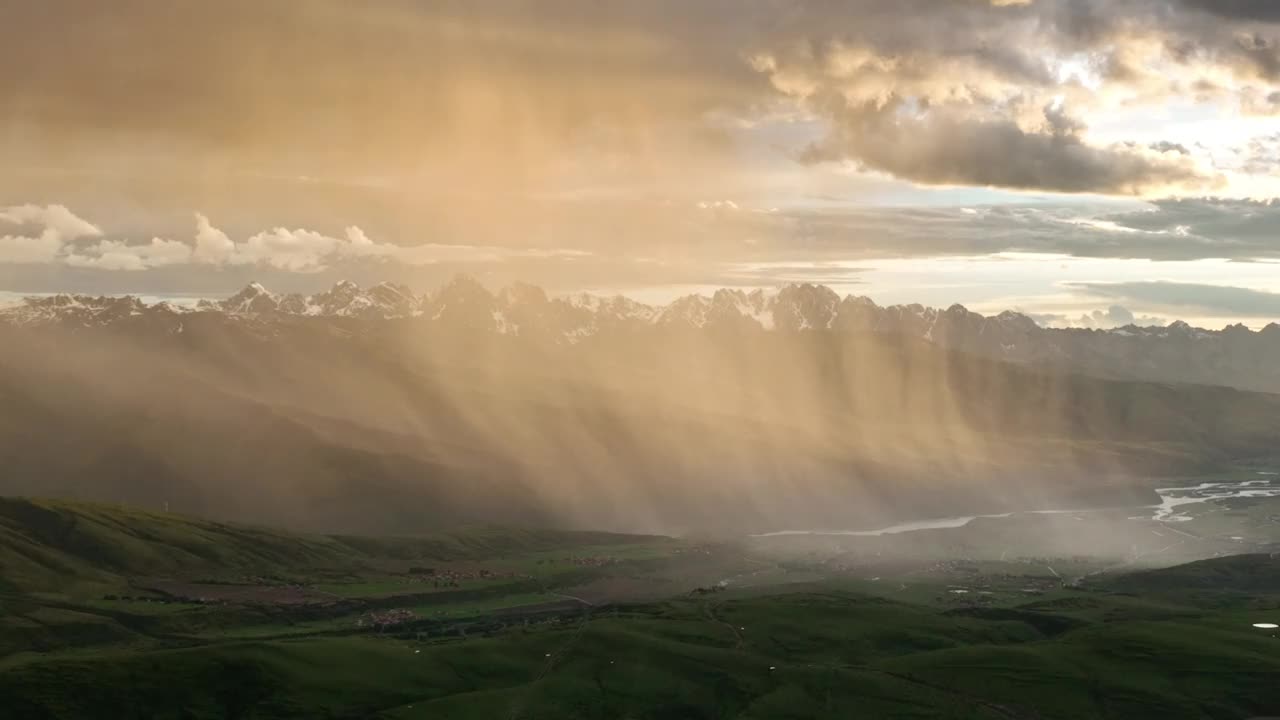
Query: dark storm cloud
1164,146
323,86
941,150
498,93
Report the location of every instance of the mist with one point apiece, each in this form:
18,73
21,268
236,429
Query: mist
393,426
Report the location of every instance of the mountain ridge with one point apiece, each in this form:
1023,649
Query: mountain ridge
1179,352
389,300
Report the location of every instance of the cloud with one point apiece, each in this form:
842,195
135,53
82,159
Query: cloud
1164,146
1114,315
1208,227
700,240
24,249
1109,318
1188,229
943,150
509,97
1261,155
310,251
291,250
57,224
212,245
117,255
1225,300
454,94
56,219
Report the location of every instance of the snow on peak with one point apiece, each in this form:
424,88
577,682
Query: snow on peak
527,311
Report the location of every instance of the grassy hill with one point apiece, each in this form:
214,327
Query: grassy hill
796,656
1143,645
1241,574
51,545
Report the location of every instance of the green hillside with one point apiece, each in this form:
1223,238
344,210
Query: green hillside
799,656
50,545
523,642
1240,574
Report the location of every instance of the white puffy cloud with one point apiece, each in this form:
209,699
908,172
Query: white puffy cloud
24,249
55,218
57,227
212,245
54,230
301,250
118,255
284,249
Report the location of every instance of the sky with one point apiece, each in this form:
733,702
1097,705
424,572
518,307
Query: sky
1088,162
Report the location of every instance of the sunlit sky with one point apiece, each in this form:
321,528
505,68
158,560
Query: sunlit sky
1088,162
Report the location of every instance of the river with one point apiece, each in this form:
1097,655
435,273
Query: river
1170,499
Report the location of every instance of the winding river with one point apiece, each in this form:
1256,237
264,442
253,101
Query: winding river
1267,485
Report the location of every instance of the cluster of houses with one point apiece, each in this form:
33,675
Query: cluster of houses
149,599
453,578
585,561
717,588
386,618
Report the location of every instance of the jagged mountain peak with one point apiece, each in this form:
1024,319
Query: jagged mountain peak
799,306
253,299
1177,352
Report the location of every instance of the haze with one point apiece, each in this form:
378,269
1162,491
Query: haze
664,359
1088,163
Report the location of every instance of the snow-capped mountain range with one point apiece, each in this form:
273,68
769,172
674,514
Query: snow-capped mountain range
1235,355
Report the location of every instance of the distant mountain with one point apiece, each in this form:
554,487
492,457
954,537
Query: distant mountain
378,410
1235,356
345,299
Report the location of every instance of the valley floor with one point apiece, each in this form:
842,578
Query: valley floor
112,613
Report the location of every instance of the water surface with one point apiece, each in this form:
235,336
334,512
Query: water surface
1170,499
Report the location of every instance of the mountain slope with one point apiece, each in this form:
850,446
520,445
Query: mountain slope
1244,574
356,425
1233,356
814,652
55,544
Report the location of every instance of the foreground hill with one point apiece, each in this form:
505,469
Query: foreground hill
1248,574
51,546
799,648
339,424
